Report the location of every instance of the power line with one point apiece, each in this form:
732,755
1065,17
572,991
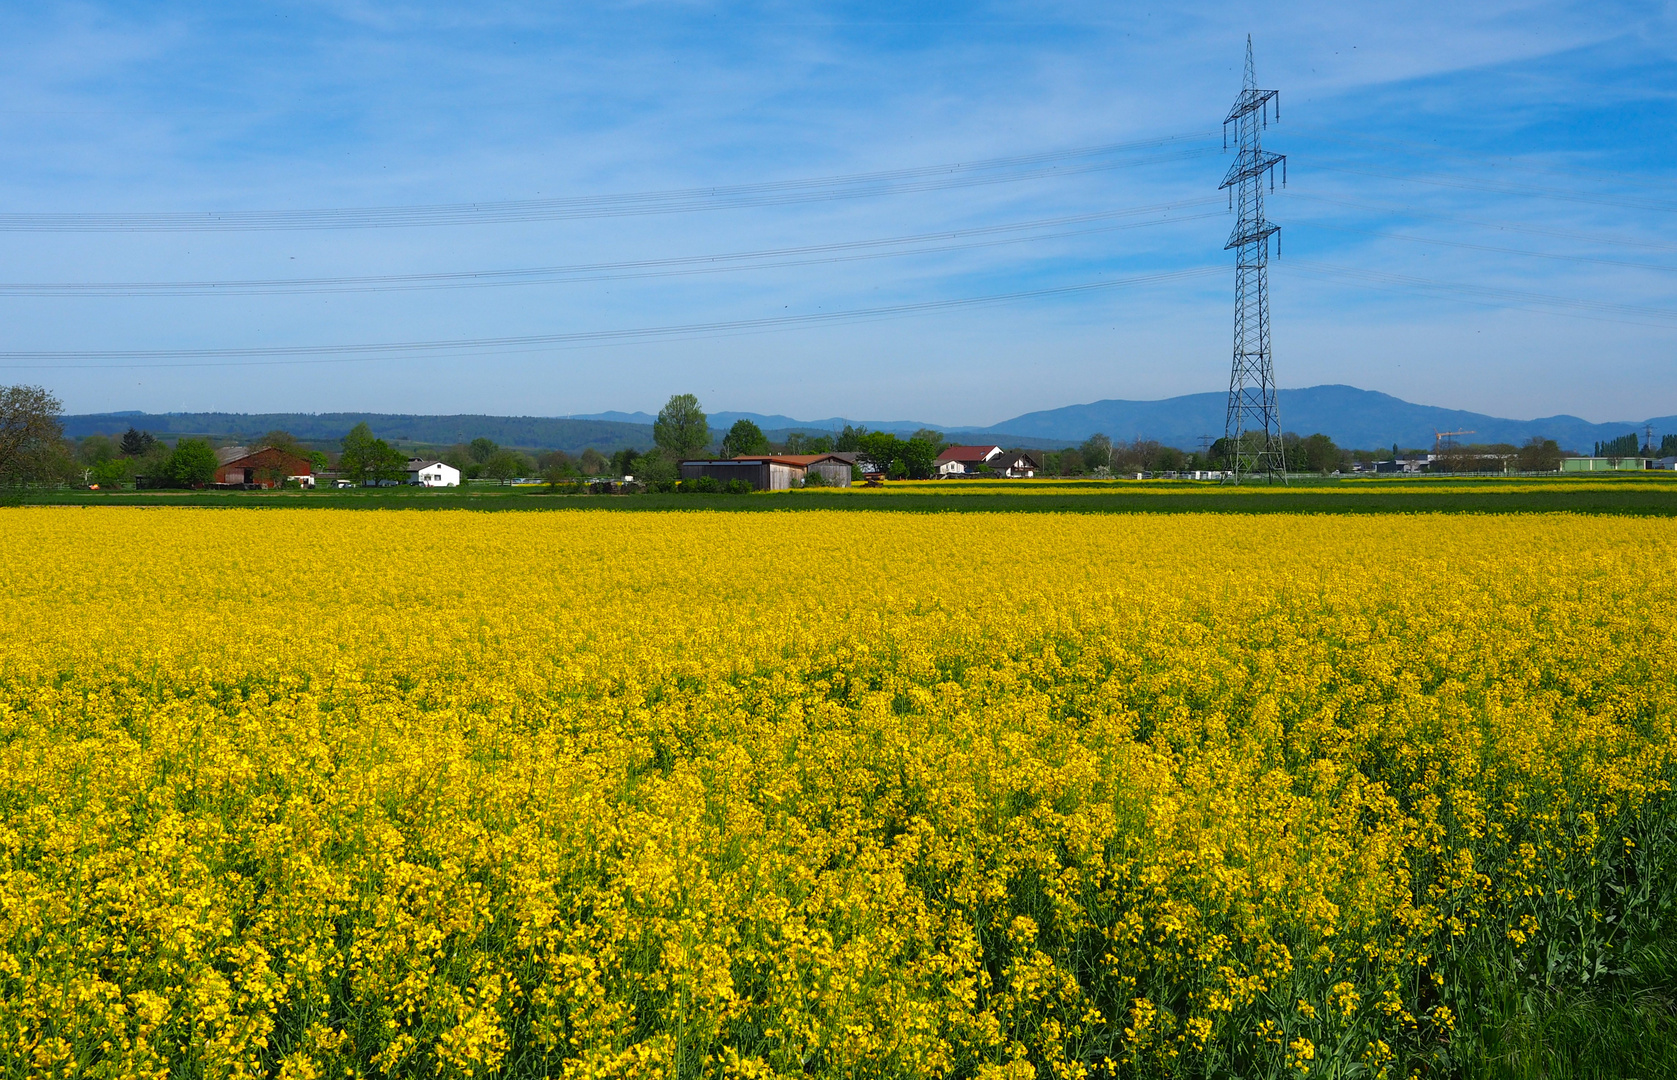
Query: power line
1535,230
775,258
1002,170
1495,161
1503,189
1461,291
1488,247
334,354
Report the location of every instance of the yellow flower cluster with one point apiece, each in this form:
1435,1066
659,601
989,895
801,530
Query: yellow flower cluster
1353,486
321,793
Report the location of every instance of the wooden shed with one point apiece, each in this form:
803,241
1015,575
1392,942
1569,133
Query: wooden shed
834,468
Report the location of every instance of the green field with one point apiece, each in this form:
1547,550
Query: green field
1641,494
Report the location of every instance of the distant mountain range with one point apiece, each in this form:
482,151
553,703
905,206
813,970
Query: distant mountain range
1362,419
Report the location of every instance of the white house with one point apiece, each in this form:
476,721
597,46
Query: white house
432,473
966,460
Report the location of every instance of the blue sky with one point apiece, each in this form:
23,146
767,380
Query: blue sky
1479,212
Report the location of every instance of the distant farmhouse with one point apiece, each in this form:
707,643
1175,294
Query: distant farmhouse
986,461
264,468
429,473
771,472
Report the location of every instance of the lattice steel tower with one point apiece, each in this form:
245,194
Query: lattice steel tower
1252,431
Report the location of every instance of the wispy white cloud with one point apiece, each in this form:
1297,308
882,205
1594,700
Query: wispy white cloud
314,104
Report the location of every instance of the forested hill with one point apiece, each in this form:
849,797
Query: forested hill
531,432
523,432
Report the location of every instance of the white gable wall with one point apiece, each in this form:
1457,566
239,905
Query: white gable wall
436,475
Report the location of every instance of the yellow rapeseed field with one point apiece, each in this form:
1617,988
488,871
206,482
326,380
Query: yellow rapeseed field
322,793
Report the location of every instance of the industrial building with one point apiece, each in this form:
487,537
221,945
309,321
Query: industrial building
1607,464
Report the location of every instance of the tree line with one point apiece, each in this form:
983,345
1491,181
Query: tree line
33,450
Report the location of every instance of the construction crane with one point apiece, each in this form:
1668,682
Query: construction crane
1446,440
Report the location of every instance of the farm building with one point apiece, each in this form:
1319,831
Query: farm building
988,460
834,468
267,468
770,472
764,472
428,473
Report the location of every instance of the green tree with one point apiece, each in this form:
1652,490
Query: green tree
623,461
1624,446
681,429
96,450
1071,462
192,464
919,457
112,472
802,442
556,463
1097,452
879,449
505,464
482,449
1317,454
366,458
850,439
933,437
31,437
557,468
744,437
655,469
592,462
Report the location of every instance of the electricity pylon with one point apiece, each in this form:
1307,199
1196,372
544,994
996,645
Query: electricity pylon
1252,430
